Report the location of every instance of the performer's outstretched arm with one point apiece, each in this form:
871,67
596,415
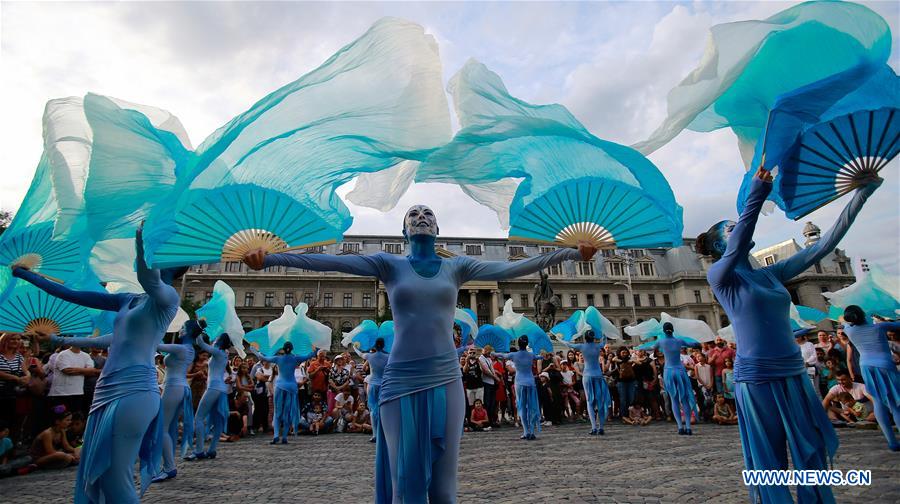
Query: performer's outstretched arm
741,240
89,299
82,342
500,270
355,265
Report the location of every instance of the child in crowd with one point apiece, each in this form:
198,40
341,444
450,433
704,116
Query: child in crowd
479,417
51,449
316,419
360,421
76,430
723,413
850,409
6,444
636,416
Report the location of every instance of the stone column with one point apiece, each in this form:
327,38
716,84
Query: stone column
495,305
381,302
473,300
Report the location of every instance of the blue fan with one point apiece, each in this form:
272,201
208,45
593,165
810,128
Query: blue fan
34,247
30,309
223,224
386,332
568,328
539,342
604,213
498,338
467,321
365,334
811,315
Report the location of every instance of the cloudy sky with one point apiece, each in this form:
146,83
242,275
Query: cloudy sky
610,63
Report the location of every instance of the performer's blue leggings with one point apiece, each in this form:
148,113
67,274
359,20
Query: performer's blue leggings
172,407
883,415
209,401
443,476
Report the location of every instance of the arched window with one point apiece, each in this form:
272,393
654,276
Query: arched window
346,326
723,319
640,320
702,318
625,322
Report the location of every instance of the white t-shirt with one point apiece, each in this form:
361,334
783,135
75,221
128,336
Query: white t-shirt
858,390
567,377
300,374
341,399
808,351
67,385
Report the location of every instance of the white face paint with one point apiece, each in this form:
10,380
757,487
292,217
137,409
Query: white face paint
420,220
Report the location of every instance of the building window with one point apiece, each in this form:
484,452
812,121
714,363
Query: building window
348,299
701,318
351,247
523,300
605,298
328,300
207,296
232,267
769,260
393,248
289,298
590,300
473,249
346,326
637,300
843,266
586,268
547,250
516,250
723,320
625,322
317,249
697,297
646,269
367,300
666,301
621,299
189,296
573,300
248,299
506,297
269,300
651,299
818,266
615,269
556,270
308,298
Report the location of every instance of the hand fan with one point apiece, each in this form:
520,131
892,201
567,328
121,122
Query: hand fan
272,336
875,291
34,248
498,338
570,328
29,309
467,321
365,334
221,317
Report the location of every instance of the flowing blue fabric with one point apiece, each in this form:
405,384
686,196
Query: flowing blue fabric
273,169
177,360
221,317
101,434
528,407
271,337
467,321
582,320
517,325
823,135
747,65
572,180
599,400
420,386
875,291
187,420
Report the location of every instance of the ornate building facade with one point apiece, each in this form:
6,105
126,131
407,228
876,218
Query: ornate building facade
626,286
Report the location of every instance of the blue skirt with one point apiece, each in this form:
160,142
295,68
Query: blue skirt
528,406
287,408
883,384
372,401
187,420
217,420
811,440
597,392
98,433
678,386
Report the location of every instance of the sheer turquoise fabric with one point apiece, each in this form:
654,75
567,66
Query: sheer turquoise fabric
375,103
748,64
876,291
503,137
581,321
221,317
270,338
467,321
365,334
306,333
686,329
519,325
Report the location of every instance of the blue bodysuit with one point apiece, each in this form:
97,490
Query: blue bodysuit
595,388
676,380
125,417
177,400
421,405
377,361
879,373
287,406
527,404
213,405
776,404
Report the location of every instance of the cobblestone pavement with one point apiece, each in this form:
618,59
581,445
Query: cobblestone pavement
629,464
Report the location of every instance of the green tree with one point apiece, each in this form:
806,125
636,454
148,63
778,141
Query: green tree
190,307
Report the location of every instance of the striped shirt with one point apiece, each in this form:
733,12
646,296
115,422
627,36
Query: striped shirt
14,366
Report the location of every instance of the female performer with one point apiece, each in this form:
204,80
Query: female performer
176,396
214,403
776,404
526,389
125,418
377,360
675,378
877,366
422,405
287,408
595,387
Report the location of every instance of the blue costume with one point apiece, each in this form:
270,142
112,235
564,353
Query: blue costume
287,406
595,388
377,361
526,391
879,373
776,405
177,400
676,381
421,401
125,420
213,406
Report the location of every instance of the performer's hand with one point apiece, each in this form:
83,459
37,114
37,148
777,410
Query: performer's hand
255,259
40,335
764,175
587,250
19,265
868,178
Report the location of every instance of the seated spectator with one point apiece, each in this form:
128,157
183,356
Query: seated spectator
6,444
849,410
360,421
51,449
856,390
343,409
76,429
478,419
318,399
723,413
316,419
238,419
636,416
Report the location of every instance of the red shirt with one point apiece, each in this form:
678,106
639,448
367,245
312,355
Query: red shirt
318,382
479,414
717,358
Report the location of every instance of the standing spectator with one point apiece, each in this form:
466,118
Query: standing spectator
31,406
490,380
197,377
318,374
851,363
501,395
829,375
302,377
728,381
571,401
647,386
14,378
707,386
71,367
550,365
717,356
472,381
510,380
623,372
808,352
262,376
338,378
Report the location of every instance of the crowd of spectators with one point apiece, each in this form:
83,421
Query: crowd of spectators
45,395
